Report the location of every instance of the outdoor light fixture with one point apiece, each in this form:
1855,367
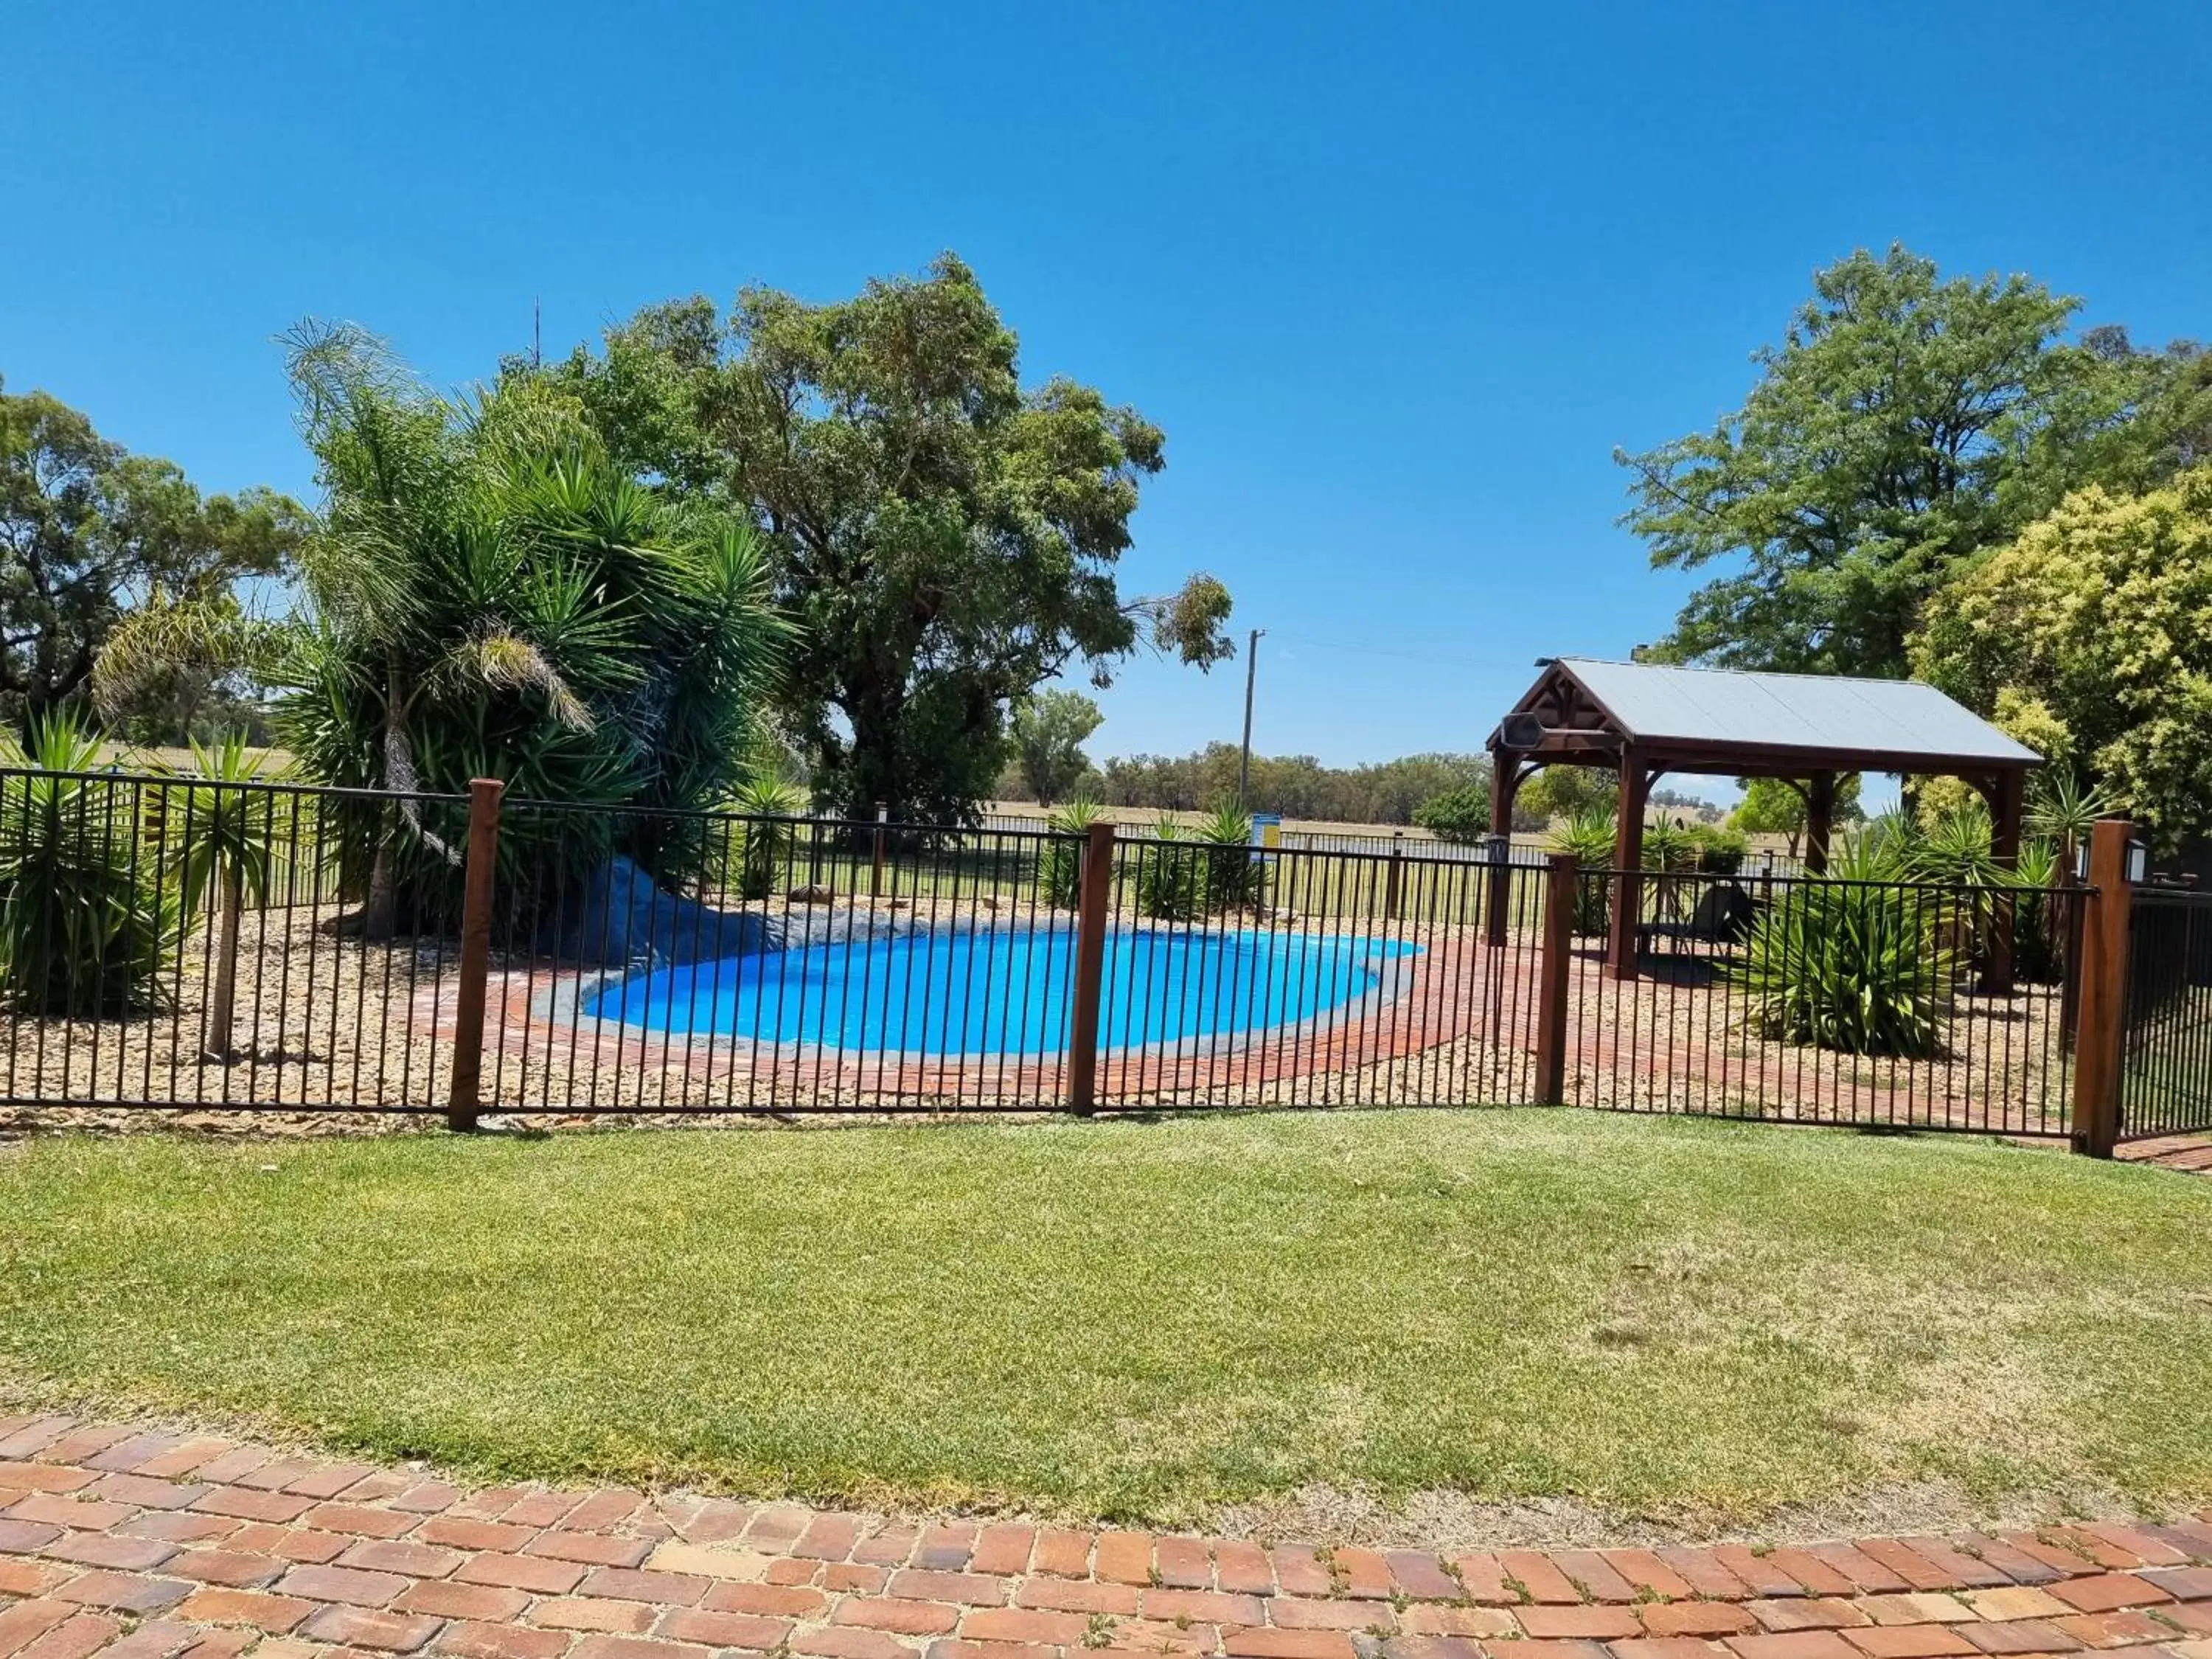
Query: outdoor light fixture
2138,868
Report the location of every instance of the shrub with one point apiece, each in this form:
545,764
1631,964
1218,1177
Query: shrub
1588,837
1461,815
769,806
2039,944
1060,868
1232,871
84,930
1721,851
1848,962
1170,875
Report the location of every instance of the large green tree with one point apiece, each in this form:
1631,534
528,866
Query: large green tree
88,532
946,539
2093,632
1906,422
1048,732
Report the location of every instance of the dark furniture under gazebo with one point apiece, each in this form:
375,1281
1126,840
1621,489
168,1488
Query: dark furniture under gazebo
1642,720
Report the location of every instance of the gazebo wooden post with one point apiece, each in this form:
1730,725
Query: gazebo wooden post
2006,802
1819,819
1504,784
1627,863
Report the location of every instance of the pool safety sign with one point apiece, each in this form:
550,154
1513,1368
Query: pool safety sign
1267,833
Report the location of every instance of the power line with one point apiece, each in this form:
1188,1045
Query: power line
1386,651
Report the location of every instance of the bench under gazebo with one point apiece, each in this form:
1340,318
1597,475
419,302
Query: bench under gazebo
1642,720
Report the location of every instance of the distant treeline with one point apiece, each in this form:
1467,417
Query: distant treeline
1295,786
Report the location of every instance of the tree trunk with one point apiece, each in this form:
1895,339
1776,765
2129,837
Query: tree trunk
380,914
222,990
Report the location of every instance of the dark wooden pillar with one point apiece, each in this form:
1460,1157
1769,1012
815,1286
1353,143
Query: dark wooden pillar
2100,1044
1497,898
1628,863
2007,808
1551,980
1819,819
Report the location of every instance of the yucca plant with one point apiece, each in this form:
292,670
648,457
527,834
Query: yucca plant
1850,961
1232,871
2039,944
770,807
1170,875
233,840
1589,839
84,929
2064,811
1060,869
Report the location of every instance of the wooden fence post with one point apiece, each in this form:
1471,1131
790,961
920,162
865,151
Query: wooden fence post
2104,997
464,1100
1096,898
1397,876
876,873
1552,980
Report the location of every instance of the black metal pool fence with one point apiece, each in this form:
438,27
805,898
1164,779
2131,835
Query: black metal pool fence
177,944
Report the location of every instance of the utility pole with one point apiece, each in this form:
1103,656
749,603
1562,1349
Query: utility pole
1245,755
536,335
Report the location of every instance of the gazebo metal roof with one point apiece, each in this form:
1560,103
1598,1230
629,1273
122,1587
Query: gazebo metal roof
1706,720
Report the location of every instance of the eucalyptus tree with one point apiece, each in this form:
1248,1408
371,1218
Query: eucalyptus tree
947,537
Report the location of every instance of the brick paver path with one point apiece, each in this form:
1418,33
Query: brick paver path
164,1545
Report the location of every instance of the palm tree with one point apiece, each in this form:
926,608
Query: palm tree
486,594
230,850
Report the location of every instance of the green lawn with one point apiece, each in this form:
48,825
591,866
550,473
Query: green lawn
1137,1320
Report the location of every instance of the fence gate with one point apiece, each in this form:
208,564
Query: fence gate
2165,1068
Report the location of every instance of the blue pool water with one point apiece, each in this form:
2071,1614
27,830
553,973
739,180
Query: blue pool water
1002,992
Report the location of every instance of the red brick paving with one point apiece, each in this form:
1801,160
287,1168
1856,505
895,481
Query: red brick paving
136,1544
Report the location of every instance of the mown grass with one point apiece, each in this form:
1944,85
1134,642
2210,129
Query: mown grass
1145,1320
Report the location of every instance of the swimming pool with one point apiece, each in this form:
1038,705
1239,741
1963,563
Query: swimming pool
1003,991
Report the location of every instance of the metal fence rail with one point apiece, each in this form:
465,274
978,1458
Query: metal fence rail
1337,979
175,943
1877,1004
143,965
2165,1071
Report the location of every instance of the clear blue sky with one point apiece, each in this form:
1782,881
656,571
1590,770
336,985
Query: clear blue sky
1394,279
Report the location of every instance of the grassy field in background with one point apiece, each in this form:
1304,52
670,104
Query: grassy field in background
1146,1320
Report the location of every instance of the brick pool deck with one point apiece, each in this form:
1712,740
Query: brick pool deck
158,1545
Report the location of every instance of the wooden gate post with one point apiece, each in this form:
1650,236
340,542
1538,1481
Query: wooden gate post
2102,1015
1396,877
1096,897
876,869
1551,980
463,1101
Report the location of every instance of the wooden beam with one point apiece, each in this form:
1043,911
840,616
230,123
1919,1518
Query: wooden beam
1627,863
2006,809
1506,776
1819,820
2098,1046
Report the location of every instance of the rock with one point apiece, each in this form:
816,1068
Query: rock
625,919
813,893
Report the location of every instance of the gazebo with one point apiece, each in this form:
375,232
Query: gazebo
1643,719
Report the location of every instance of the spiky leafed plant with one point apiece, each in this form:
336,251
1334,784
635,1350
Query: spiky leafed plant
84,928
769,806
489,596
2064,810
1060,871
230,838
1589,838
1849,961
1171,882
1232,870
